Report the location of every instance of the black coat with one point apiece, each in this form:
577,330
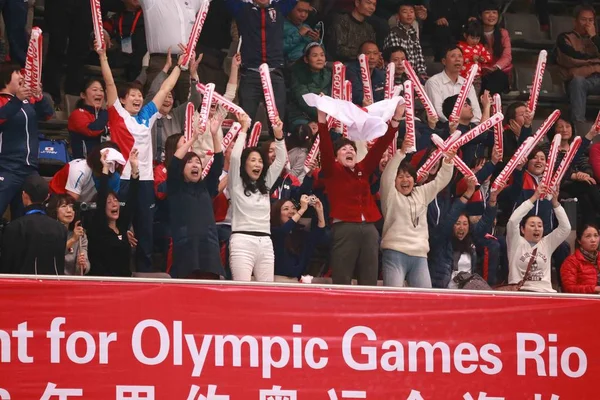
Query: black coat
34,244
454,10
192,221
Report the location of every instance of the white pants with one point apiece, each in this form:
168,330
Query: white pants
250,255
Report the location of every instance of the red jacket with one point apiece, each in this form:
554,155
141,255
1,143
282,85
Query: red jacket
578,275
595,160
349,191
160,181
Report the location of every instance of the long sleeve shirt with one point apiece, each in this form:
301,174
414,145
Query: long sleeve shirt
405,217
520,250
407,37
440,86
252,212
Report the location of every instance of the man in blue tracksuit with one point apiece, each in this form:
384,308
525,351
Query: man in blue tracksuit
19,144
260,24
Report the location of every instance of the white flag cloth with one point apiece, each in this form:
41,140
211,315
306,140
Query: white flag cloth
362,126
112,157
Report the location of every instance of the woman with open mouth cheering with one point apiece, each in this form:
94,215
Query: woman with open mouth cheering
196,252
249,181
529,255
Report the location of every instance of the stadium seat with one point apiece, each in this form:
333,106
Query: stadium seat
560,24
524,31
551,91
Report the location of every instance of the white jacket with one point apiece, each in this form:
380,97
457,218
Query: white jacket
519,250
405,217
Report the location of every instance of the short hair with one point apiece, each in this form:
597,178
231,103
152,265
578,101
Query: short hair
406,166
511,111
581,230
93,157
36,188
473,29
360,48
582,8
125,88
55,202
188,156
341,142
527,218
171,147
6,71
451,47
387,53
448,105
537,149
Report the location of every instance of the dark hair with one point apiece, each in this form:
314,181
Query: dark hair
360,48
473,29
86,85
6,71
341,142
310,46
448,105
511,111
299,137
581,230
93,157
465,245
125,88
387,53
188,156
582,8
451,47
406,166
496,37
171,147
36,188
55,202
537,149
264,148
294,240
250,186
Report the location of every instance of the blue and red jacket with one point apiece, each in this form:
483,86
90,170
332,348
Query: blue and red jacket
88,121
261,30
523,187
19,141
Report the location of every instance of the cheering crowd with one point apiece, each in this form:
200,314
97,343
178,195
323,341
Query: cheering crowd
372,171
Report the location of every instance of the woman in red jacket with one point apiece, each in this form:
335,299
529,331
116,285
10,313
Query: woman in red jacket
355,239
580,272
88,121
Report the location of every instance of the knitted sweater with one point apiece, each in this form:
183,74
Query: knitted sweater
405,217
519,250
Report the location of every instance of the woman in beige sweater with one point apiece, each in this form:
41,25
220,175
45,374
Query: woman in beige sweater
405,241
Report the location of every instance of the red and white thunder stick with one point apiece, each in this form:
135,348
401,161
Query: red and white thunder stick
222,101
478,130
511,165
409,101
435,157
390,73
33,62
597,123
255,135
265,78
209,91
552,156
97,20
313,153
460,164
420,90
464,93
337,91
537,81
189,121
565,163
228,139
498,129
347,97
195,34
365,76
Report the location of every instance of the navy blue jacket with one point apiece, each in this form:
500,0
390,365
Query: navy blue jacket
441,255
261,30
287,263
19,142
377,82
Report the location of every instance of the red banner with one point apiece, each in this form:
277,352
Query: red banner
170,341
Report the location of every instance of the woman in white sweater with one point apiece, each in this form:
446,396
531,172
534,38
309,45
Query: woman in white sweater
522,248
405,239
250,178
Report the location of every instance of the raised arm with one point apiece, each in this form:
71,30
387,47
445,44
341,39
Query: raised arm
371,161
109,81
280,155
442,179
235,160
513,232
167,85
388,177
325,146
561,232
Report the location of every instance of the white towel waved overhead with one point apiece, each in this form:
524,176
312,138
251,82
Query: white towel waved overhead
362,126
113,156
